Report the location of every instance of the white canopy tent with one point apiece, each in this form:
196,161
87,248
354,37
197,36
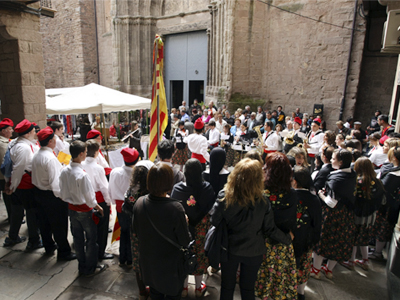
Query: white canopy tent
92,98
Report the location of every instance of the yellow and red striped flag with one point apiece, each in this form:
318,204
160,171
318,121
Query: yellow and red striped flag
158,91
116,234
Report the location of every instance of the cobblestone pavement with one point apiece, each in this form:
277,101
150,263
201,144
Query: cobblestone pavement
37,276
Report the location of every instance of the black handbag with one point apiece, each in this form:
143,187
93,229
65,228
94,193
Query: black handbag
190,259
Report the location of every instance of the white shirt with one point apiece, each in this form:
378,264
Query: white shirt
21,155
75,186
119,182
241,118
213,136
61,146
272,142
46,170
197,143
102,161
220,126
378,157
97,177
315,142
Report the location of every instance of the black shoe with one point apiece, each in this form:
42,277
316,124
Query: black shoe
23,221
34,246
301,297
69,257
51,250
109,230
10,242
99,269
106,256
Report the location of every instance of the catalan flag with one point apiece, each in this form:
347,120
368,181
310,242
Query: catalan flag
116,234
158,117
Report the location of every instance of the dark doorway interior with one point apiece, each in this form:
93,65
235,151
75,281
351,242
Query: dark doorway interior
176,93
396,106
196,91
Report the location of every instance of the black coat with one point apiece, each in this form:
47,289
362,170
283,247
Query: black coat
134,141
161,263
248,226
307,232
322,177
341,187
391,182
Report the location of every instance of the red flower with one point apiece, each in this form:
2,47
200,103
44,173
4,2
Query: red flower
301,202
299,215
272,197
364,188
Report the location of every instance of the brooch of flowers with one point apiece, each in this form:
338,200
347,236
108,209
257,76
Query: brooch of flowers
191,201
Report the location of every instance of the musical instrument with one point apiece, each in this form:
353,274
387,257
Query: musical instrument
260,144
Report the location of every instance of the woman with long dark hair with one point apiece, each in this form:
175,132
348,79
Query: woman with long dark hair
279,261
336,243
137,188
197,198
369,196
217,176
243,205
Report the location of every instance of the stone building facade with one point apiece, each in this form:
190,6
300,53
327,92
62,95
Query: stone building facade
271,54
22,91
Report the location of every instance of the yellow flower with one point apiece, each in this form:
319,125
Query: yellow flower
280,195
372,182
272,253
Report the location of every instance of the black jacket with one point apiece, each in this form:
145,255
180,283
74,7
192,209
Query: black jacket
309,218
161,263
134,141
248,226
322,177
341,186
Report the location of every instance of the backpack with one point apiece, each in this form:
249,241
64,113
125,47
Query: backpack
7,165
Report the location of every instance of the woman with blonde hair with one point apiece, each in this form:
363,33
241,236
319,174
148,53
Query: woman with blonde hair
369,195
388,214
247,212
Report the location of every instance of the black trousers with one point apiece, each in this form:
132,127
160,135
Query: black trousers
7,199
125,250
102,229
248,274
155,295
24,199
53,221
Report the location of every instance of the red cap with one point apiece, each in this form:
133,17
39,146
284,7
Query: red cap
383,139
24,127
199,124
92,134
46,133
5,123
317,121
297,120
130,155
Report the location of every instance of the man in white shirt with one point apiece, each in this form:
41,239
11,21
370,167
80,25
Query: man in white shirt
197,143
6,130
119,184
101,160
220,123
270,139
100,186
53,212
77,191
21,187
213,137
315,140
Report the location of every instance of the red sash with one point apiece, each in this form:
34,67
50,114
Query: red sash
269,151
311,155
99,197
118,205
84,208
107,170
199,157
26,182
214,145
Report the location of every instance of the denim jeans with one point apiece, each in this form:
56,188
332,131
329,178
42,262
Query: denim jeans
82,225
102,230
248,274
125,251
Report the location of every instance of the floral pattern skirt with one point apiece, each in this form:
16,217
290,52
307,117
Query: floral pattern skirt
277,276
362,234
135,252
200,238
337,233
305,266
382,229
180,156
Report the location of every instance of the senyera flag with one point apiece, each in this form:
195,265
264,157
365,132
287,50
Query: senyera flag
158,117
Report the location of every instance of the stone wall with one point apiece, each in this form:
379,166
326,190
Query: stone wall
21,68
69,44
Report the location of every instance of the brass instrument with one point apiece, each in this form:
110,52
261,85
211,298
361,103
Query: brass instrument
260,145
289,139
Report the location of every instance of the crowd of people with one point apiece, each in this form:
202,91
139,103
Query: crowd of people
299,195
